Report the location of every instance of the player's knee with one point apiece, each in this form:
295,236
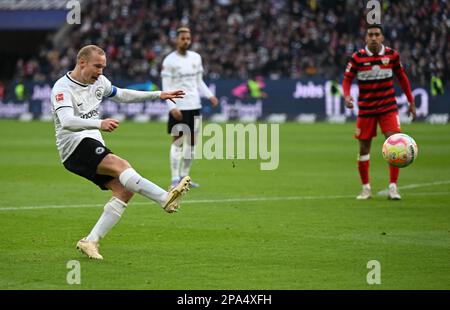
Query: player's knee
364,147
116,165
125,164
121,164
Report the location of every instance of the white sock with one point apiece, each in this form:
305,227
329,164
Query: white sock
188,157
137,184
111,215
366,186
176,152
363,157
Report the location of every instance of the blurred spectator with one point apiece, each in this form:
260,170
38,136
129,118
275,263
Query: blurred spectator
2,91
436,86
19,91
277,38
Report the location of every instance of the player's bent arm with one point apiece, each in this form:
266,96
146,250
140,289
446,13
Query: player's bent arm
350,73
404,83
70,122
403,78
203,87
406,86
346,84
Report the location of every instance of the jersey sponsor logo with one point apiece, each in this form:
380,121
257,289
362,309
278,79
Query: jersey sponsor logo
59,97
375,74
186,75
99,150
99,92
91,114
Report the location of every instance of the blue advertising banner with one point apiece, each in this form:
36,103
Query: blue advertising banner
278,100
32,19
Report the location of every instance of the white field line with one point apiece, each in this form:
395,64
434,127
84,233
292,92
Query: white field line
225,200
386,191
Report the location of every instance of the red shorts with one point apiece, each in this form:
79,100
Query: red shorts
366,127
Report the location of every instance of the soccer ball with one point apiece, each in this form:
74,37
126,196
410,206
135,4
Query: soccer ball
400,150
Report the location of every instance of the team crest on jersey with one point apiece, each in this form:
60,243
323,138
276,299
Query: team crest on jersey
385,60
99,92
59,97
99,150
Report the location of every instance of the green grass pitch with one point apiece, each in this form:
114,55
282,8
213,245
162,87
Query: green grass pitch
297,227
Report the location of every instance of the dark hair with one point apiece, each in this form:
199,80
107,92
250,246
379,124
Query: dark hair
374,26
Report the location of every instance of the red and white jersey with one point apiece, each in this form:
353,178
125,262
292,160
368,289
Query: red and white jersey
375,74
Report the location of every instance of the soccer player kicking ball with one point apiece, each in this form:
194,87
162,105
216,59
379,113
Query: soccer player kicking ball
374,67
76,99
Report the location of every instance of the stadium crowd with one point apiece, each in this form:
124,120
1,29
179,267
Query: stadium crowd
237,39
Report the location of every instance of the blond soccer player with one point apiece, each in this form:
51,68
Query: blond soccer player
76,98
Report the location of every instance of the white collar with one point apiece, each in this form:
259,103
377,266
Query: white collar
75,81
381,53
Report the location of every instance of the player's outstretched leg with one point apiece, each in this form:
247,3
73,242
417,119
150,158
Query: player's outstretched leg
167,200
135,183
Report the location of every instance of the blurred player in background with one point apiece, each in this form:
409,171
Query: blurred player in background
183,69
374,66
76,99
